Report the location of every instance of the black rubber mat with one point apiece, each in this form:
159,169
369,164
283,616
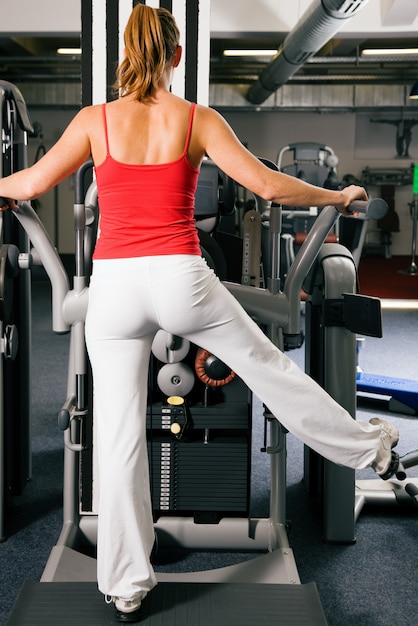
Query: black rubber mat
197,604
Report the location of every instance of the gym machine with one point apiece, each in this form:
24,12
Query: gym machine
263,586
315,163
15,323
412,269
402,392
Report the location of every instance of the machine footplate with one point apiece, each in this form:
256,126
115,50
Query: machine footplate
194,604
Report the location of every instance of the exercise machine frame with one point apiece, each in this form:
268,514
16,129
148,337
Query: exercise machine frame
15,311
72,559
280,312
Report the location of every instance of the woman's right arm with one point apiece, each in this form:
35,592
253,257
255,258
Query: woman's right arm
224,148
64,158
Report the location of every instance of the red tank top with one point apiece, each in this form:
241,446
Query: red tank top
146,210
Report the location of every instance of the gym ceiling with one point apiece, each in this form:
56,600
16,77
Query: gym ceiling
34,58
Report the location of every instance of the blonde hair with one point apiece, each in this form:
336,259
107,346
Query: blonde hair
151,39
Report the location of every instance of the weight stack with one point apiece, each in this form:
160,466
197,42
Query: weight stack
206,473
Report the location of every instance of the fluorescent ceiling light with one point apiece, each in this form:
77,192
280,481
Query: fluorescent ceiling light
69,51
388,52
249,53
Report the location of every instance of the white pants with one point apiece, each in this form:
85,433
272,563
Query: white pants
129,301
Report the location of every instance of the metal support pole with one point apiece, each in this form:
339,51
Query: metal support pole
412,270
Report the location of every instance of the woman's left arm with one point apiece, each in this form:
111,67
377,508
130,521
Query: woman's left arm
64,158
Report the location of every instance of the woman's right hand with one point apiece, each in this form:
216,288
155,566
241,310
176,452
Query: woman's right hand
7,203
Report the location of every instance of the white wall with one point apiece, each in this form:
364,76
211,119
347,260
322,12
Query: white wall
40,16
383,16
64,16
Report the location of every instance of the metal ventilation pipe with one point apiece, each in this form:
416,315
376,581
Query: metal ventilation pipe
320,22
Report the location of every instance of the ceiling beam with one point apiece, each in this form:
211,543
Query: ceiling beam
399,12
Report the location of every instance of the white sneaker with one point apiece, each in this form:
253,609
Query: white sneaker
129,606
386,462
127,609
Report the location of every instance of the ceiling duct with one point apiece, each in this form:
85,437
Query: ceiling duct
320,22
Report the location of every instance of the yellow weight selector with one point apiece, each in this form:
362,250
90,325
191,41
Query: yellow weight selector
179,411
176,428
175,401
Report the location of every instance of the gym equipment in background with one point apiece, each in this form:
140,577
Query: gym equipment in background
403,398
317,164
314,163
15,306
402,392
412,270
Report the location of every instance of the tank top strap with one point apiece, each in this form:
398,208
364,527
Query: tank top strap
105,128
189,129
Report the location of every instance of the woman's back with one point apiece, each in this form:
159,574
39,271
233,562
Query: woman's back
147,133
146,188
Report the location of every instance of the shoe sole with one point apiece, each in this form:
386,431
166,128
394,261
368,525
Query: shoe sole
128,618
393,467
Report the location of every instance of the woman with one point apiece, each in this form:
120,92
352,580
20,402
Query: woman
147,147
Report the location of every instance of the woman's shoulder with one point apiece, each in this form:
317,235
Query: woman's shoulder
180,103
89,112
207,113
208,119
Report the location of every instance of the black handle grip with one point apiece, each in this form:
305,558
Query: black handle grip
412,490
64,419
400,472
373,209
79,192
3,202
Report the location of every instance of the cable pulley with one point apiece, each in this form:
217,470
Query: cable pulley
212,371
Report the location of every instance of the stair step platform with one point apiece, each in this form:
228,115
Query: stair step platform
194,604
403,390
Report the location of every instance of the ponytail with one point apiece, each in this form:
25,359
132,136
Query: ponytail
151,38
